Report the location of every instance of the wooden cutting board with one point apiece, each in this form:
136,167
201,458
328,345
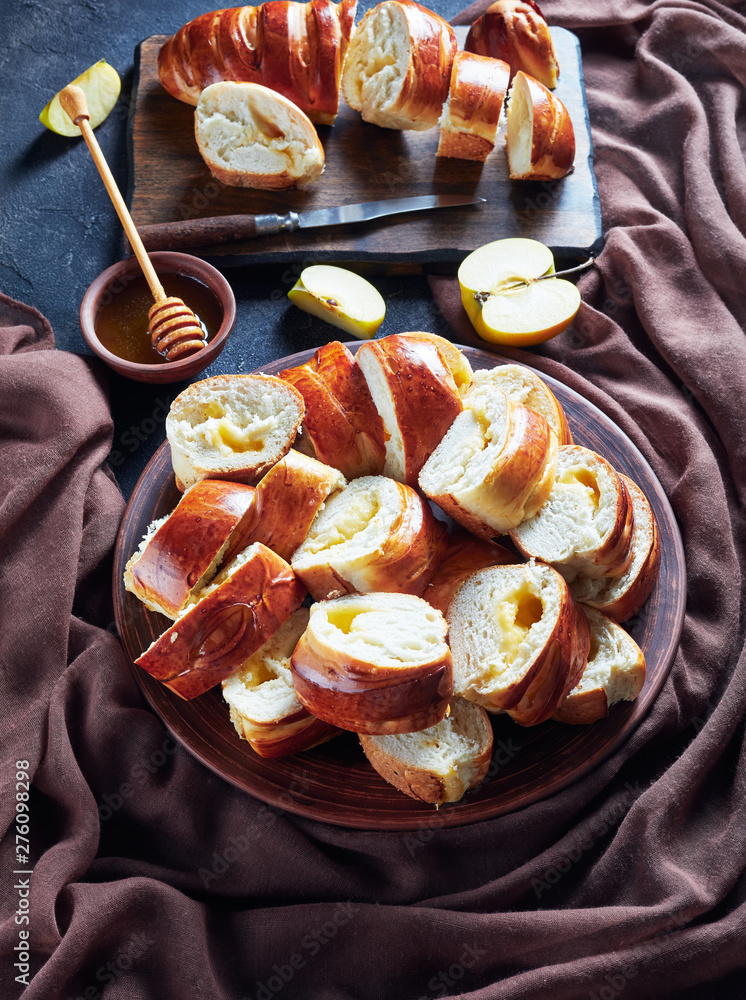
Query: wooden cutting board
169,181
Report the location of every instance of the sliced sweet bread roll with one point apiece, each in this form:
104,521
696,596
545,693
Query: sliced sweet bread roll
415,381
398,66
540,139
495,466
263,705
236,614
621,597
286,500
375,534
521,385
181,552
251,136
615,672
374,663
232,427
341,421
517,32
439,764
472,113
586,525
519,641
465,555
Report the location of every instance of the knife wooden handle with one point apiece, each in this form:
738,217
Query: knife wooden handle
198,232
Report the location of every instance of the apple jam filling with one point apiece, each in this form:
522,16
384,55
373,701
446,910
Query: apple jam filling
582,480
515,616
349,519
234,433
384,629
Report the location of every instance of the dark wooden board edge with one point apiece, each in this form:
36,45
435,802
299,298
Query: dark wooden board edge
443,261
365,801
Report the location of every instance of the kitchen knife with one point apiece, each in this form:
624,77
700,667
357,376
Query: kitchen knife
237,228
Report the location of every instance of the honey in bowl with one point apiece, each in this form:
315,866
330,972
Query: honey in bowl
121,321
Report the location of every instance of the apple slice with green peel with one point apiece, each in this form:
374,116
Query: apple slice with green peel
340,297
101,85
486,267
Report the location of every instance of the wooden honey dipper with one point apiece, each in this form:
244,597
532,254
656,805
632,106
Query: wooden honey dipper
174,329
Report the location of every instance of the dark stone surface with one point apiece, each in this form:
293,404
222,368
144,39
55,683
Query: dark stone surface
58,229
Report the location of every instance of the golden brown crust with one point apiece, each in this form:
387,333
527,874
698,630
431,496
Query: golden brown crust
295,49
213,638
424,87
284,737
632,598
558,668
267,120
341,419
423,784
184,548
517,32
477,91
423,391
614,555
582,707
286,501
519,481
364,697
403,563
553,136
465,555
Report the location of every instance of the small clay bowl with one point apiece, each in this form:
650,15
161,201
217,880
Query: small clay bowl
114,279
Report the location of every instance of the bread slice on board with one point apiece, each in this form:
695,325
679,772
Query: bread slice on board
251,136
398,66
473,111
518,33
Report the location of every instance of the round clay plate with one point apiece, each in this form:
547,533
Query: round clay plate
334,782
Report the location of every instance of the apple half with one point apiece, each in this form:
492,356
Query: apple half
504,299
340,297
101,85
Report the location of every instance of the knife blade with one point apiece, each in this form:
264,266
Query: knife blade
213,231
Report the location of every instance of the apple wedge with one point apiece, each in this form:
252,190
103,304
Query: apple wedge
101,85
339,297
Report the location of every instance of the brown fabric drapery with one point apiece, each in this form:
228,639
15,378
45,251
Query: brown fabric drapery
629,883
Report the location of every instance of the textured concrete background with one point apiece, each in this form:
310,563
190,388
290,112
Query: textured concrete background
58,229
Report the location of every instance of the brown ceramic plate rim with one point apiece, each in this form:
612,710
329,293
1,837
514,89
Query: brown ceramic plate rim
334,783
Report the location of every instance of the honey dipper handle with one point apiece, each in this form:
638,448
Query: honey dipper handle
74,104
